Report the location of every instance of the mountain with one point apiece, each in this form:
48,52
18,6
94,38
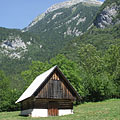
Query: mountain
63,22
103,32
45,36
50,31
95,51
67,12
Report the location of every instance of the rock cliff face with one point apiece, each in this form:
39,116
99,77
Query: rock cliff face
108,16
13,46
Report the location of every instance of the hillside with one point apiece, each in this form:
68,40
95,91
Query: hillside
90,61
50,31
45,36
103,33
18,48
15,47
100,38
61,23
97,52
105,110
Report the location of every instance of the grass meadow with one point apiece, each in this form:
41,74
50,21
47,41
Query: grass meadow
105,110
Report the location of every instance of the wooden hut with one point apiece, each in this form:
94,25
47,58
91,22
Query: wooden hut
50,94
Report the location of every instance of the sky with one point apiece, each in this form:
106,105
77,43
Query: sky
19,13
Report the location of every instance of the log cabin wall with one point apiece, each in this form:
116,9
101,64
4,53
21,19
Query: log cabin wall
60,104
27,104
41,104
65,105
44,104
55,88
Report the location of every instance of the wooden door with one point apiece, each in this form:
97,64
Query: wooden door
53,109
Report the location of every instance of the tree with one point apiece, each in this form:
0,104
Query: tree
35,69
112,66
90,59
4,92
97,81
8,96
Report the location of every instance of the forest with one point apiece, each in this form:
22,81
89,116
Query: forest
95,75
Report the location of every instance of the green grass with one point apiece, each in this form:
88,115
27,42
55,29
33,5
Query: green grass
106,110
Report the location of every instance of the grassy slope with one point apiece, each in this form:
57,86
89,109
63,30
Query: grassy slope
106,110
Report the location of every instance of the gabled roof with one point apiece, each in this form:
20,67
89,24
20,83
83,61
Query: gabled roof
38,82
35,84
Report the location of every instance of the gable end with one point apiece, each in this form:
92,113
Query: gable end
56,86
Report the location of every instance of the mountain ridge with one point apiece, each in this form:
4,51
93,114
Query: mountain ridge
57,6
45,39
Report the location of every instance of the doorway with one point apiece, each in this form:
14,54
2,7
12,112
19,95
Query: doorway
52,108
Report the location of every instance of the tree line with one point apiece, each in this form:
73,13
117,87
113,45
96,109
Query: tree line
95,75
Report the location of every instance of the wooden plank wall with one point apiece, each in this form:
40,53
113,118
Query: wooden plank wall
65,105
45,104
55,88
59,104
41,104
27,104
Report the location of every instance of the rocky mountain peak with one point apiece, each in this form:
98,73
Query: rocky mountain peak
70,3
65,4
